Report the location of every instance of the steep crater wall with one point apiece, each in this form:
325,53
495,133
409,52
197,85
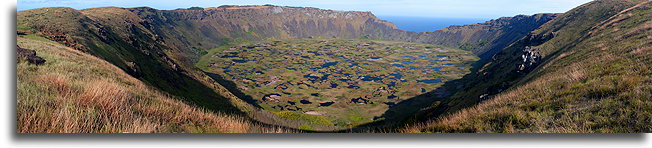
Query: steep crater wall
159,47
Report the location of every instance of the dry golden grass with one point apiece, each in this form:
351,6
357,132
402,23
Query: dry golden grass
579,98
74,92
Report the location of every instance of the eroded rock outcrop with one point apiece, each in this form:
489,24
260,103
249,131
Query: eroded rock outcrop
28,55
531,59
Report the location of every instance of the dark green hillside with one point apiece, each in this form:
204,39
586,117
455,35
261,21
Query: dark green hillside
131,48
75,92
585,71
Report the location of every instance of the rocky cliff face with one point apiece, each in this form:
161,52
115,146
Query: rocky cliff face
486,39
183,31
189,29
211,27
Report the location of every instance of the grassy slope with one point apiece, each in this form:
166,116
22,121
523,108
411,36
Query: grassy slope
158,46
600,81
153,47
74,92
120,51
128,45
501,72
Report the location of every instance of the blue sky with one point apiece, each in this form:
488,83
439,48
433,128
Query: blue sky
417,8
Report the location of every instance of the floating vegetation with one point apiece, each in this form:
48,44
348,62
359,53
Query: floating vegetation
338,77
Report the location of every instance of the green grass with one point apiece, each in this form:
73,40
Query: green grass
600,84
74,92
568,29
155,66
35,37
281,67
594,79
313,119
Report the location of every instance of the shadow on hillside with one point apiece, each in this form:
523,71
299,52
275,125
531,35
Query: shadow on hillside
418,108
261,118
407,112
233,88
394,116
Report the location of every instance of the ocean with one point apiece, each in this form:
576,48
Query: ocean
428,24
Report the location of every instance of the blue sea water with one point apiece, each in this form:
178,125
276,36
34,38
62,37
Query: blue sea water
428,24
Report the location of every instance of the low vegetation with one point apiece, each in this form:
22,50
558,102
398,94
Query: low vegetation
291,69
346,81
74,92
600,84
